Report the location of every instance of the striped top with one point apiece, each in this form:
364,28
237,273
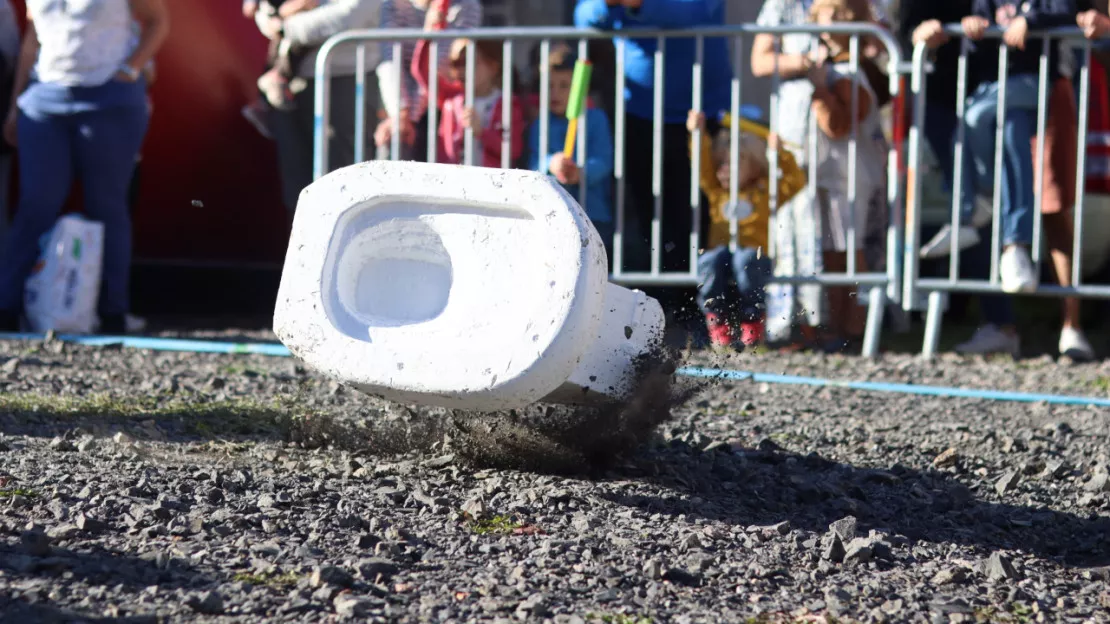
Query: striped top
463,14
83,43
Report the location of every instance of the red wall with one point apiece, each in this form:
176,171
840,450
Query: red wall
210,190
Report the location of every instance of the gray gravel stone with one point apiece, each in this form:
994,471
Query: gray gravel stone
207,603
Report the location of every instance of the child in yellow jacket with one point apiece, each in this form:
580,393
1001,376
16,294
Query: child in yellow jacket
731,284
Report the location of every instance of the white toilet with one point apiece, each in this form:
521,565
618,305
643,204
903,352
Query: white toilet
461,287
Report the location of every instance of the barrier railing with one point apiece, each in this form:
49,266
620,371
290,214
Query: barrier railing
934,291
880,287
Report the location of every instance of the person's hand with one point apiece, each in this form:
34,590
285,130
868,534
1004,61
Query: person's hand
123,76
695,121
773,142
289,9
433,17
470,120
1093,23
564,169
249,9
149,73
1016,32
11,132
931,33
271,28
974,26
383,133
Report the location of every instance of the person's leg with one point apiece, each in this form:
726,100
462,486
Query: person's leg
1058,190
104,155
45,178
713,280
752,271
1017,177
293,133
677,217
714,276
639,200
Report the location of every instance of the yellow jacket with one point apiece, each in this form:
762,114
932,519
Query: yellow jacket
752,230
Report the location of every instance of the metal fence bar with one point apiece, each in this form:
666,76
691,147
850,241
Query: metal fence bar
545,96
468,132
1039,164
1081,165
360,103
657,159
584,54
734,152
506,104
853,154
695,156
433,100
395,135
999,145
910,259
618,162
960,152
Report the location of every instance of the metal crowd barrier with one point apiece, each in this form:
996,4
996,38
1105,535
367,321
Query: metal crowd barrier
933,292
880,287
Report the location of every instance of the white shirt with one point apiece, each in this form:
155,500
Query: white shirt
83,43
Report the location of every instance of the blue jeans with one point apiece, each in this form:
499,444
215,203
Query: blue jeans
733,282
1017,160
90,133
940,131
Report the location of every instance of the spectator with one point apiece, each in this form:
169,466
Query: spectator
599,148
838,216
797,235
9,53
1017,271
639,69
410,111
284,57
81,112
485,116
732,283
294,129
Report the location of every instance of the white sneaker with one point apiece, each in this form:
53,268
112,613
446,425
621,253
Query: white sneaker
1074,345
1017,270
941,244
990,339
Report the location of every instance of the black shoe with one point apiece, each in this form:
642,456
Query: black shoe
9,321
113,325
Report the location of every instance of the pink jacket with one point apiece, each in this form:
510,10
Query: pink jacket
452,133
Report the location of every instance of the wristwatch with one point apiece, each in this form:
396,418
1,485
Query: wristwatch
130,72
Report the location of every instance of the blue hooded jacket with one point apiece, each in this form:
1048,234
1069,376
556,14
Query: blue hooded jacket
639,60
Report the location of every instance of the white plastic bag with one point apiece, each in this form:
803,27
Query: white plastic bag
62,291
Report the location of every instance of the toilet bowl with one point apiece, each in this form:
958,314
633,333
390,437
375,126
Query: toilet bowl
461,287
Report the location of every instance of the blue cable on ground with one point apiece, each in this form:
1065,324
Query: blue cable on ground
278,350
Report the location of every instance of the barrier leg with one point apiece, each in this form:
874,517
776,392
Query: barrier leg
932,324
876,305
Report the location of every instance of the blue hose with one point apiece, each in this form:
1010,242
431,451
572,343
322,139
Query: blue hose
278,350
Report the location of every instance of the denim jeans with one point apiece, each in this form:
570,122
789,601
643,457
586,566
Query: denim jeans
1017,161
733,283
940,132
65,133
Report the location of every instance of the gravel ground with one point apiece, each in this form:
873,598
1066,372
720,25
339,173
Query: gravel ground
138,486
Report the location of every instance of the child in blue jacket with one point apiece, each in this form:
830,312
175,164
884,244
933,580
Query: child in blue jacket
598,171
628,16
